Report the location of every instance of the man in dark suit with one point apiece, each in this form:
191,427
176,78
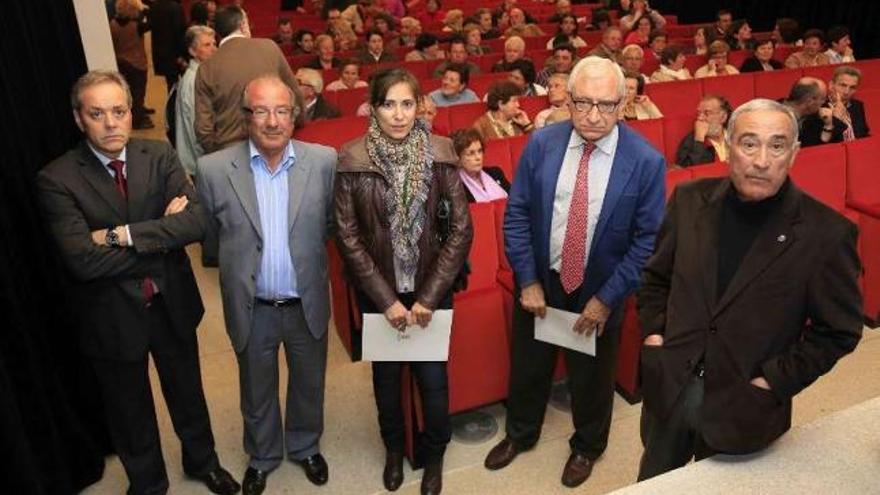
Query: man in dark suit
849,110
751,295
121,211
311,84
168,25
220,81
581,219
816,121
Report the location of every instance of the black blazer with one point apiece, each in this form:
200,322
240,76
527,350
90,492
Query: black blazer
321,110
752,64
497,175
169,28
857,114
78,196
690,152
791,310
811,130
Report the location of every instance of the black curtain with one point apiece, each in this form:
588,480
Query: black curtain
862,17
51,424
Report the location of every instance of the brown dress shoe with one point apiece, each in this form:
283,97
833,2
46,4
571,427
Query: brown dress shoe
501,455
577,470
432,479
392,476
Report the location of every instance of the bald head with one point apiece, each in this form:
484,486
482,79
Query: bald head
807,95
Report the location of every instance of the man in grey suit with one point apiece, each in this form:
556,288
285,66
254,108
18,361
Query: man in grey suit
268,203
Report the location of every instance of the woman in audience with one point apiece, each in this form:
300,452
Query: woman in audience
568,27
642,32
404,235
474,39
637,10
522,73
557,97
811,55
427,48
787,32
326,58
504,118
432,13
839,50
739,36
706,143
343,35
410,29
717,65
349,78
700,45
384,23
514,49
762,59
305,42
482,184
453,22
637,105
632,58
672,68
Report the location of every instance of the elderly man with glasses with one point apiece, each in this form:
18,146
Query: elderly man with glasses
585,206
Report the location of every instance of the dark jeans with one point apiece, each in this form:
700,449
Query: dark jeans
672,442
590,379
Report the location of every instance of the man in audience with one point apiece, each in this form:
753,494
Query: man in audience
132,283
722,23
565,257
564,57
844,107
457,55
315,107
563,8
284,34
557,97
632,57
305,42
816,123
268,205
812,54
410,29
609,47
770,303
707,143
485,20
839,50
221,79
514,49
453,89
519,27
786,32
325,54
201,44
374,52
657,41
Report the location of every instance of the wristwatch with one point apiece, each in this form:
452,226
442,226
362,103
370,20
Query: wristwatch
112,238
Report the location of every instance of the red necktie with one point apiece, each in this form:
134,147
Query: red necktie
574,248
122,186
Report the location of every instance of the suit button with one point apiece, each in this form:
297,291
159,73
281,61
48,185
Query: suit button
713,329
259,247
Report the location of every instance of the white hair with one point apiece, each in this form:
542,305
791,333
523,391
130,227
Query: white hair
760,104
594,67
311,77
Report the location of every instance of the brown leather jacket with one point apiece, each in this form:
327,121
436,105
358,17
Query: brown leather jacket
363,237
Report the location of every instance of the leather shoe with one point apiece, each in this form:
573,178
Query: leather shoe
254,481
392,475
221,482
432,479
316,469
502,454
577,470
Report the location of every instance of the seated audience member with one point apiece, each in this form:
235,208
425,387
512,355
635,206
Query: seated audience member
672,66
481,184
486,22
201,44
427,48
563,8
762,59
849,110
786,32
739,36
349,78
706,143
638,106
385,24
375,52
557,97
410,29
315,107
474,39
812,54
641,34
562,61
639,9
345,37
457,55
657,41
609,47
201,13
453,88
432,13
514,49
519,26
632,57
601,20
701,47
504,118
427,111
454,21
506,8
568,28
284,35
722,23
325,58
522,73
717,64
304,41
816,121
839,50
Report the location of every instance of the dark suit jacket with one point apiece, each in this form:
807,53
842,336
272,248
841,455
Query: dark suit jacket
321,110
857,114
315,63
690,152
78,195
169,26
789,313
366,58
752,64
811,130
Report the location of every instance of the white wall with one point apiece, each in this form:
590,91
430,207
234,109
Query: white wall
94,29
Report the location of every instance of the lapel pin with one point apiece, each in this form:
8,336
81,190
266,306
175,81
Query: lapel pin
781,238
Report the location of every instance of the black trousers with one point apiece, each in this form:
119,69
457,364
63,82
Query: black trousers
672,442
590,379
433,384
131,414
137,82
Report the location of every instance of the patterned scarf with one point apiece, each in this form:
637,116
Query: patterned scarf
408,168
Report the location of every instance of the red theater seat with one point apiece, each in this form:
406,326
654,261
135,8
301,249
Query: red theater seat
676,176
863,184
821,172
737,89
775,84
674,130
677,97
463,116
533,104
822,72
870,73
652,130
348,100
517,145
716,169
497,154
333,132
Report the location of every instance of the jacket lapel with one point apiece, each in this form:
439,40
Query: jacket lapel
297,179
102,181
242,179
706,231
137,174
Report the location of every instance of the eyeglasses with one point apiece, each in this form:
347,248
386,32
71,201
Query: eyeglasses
262,113
586,106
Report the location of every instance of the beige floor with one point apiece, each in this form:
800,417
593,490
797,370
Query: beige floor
351,441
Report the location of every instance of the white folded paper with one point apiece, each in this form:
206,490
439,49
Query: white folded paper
382,342
556,328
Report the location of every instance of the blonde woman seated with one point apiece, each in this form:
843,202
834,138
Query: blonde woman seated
717,65
504,118
453,22
672,67
349,78
637,105
481,184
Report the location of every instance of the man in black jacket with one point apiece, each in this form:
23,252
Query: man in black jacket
168,25
816,121
849,110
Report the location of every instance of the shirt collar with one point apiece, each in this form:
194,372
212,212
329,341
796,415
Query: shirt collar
257,159
105,160
237,34
607,144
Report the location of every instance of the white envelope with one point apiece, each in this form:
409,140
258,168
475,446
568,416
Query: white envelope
382,342
556,328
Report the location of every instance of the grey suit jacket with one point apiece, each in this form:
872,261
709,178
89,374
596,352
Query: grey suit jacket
232,228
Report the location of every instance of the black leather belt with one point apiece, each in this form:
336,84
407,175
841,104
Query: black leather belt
278,303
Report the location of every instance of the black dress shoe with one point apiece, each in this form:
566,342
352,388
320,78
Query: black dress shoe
432,479
392,476
219,481
254,481
316,469
501,455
